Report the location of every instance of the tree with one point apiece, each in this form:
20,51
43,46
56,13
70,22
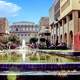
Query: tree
42,40
5,40
14,39
33,40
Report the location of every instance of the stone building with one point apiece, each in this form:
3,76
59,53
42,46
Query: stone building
3,27
24,30
66,23
44,28
44,23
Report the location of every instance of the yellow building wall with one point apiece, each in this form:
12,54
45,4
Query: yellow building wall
62,2
71,26
65,28
74,5
61,30
66,10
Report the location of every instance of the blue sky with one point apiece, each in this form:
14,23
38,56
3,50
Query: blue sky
24,10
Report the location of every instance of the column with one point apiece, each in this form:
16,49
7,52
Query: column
56,33
51,34
75,19
63,30
76,25
68,42
51,29
59,32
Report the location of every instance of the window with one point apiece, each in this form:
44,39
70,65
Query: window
56,25
47,27
79,14
70,17
26,28
21,34
30,29
57,6
65,5
16,29
33,29
60,23
65,21
23,29
28,34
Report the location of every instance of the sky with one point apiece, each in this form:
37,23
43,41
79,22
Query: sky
24,10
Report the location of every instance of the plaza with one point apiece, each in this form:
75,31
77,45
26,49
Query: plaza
50,47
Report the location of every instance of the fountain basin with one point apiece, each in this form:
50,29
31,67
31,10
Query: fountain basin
39,67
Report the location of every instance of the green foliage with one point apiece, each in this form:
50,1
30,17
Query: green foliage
14,39
5,41
33,40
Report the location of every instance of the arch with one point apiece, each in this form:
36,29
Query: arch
54,38
65,38
61,38
71,38
16,29
57,40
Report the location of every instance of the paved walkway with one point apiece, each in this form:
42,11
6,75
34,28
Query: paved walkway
54,73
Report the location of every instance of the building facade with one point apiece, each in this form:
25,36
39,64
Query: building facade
44,23
3,28
44,28
68,22
51,21
24,30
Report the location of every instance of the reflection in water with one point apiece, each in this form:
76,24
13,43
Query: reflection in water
30,56
23,50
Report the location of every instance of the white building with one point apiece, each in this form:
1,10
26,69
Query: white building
24,30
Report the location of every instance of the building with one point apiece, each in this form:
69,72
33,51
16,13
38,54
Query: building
51,21
44,23
54,15
44,28
24,30
3,27
67,23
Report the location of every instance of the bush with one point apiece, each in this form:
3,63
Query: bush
33,40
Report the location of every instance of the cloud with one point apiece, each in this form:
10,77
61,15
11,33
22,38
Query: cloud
8,9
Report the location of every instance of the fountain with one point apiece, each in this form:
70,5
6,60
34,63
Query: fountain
23,44
23,50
